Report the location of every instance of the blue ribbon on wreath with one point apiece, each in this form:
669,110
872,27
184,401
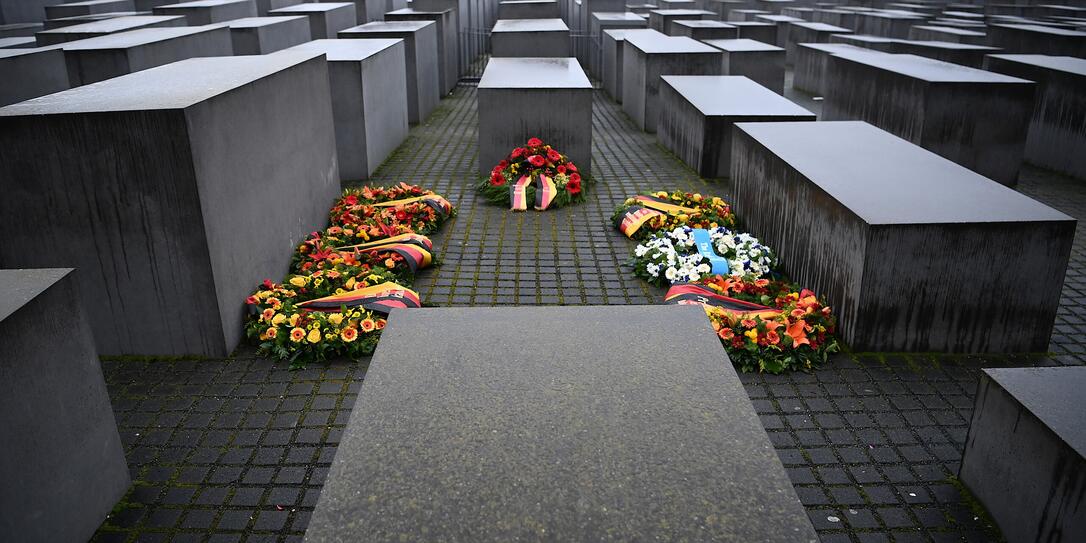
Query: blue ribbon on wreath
704,245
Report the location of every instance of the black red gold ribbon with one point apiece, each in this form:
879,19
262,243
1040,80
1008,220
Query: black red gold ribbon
414,248
693,293
381,299
545,193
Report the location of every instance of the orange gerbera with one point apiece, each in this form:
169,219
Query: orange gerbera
349,334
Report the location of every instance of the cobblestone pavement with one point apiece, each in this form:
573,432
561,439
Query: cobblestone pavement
237,449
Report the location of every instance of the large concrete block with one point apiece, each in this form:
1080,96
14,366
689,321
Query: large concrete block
975,118
1032,38
607,20
946,33
773,6
904,244
697,113
530,38
113,55
587,440
886,24
325,19
528,9
23,11
18,43
876,43
746,14
369,100
87,7
421,61
660,19
205,12
812,60
16,30
448,41
1057,133
1025,455
962,54
50,24
761,62
263,35
648,55
63,464
804,32
677,4
520,98
370,10
106,27
782,22
30,73
704,30
264,6
614,42
835,17
189,192
759,31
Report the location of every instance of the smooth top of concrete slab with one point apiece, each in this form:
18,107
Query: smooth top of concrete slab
21,41
256,22
532,72
1044,30
931,70
657,43
136,38
821,27
22,286
732,96
522,2
171,86
742,45
377,27
530,25
1071,65
670,12
413,11
781,18
617,16
202,4
1053,395
948,45
345,50
589,439
84,3
702,23
867,38
886,180
619,34
834,48
951,30
115,24
20,51
311,8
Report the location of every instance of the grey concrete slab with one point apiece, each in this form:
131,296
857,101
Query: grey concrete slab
1057,135
758,31
16,30
448,40
530,38
97,59
773,6
698,112
962,54
761,62
746,14
87,7
63,464
886,24
326,19
608,20
903,243
614,42
804,32
812,60
528,9
369,100
50,24
836,17
177,168
1025,456
205,12
647,55
946,33
975,118
264,6
782,22
30,73
877,43
263,35
581,441
660,19
1028,38
517,101
23,11
106,27
371,10
18,43
420,56
677,4
704,30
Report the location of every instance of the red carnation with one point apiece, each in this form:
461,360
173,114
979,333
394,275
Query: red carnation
561,169
536,160
554,156
518,152
535,142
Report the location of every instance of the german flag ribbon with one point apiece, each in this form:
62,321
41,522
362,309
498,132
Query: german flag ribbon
415,249
381,299
659,204
693,293
518,194
440,204
634,217
545,193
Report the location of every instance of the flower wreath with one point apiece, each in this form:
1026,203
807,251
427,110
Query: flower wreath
639,217
670,257
535,173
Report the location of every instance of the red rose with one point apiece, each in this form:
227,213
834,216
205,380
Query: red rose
573,187
518,152
536,160
561,169
496,179
535,142
554,156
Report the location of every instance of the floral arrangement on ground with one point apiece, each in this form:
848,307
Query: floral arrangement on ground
690,243
345,279
537,175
